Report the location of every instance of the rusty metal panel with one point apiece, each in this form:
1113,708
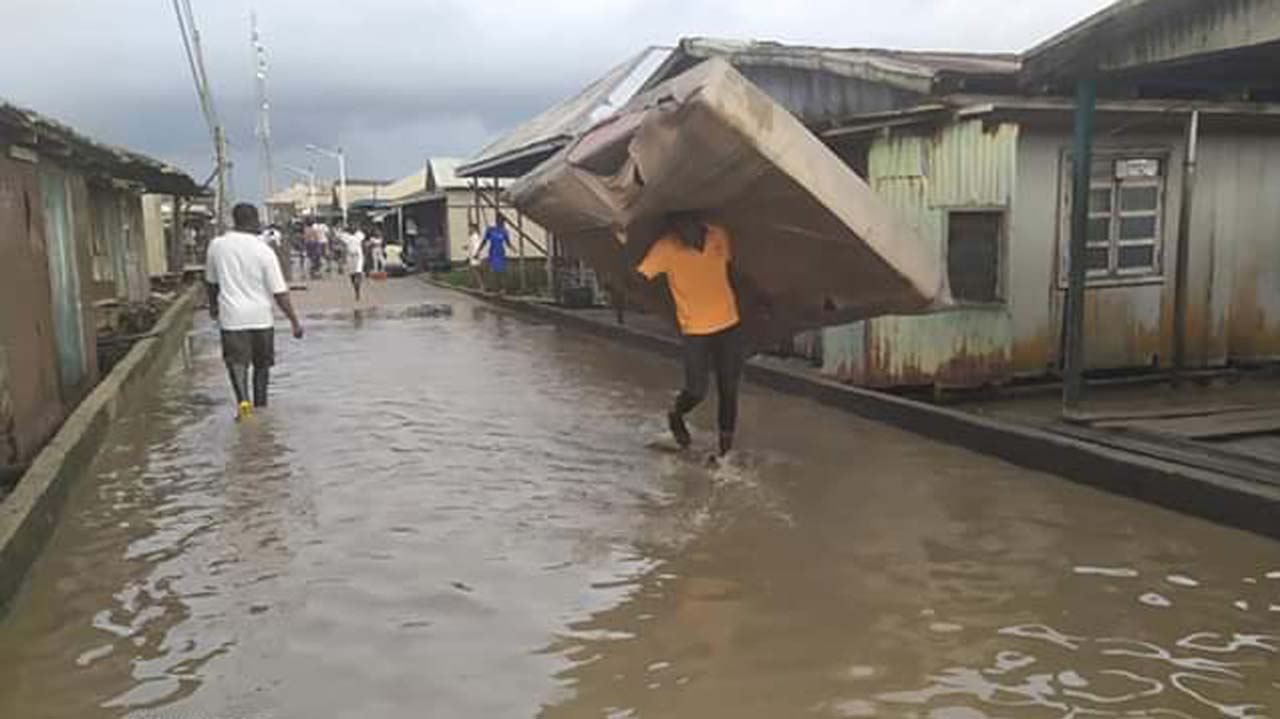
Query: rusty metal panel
64,279
816,96
922,177
974,165
27,340
1236,245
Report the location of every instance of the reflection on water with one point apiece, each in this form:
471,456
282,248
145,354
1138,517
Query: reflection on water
464,514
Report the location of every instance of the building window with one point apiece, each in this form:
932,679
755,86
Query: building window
974,248
1126,210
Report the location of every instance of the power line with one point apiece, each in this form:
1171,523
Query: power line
195,61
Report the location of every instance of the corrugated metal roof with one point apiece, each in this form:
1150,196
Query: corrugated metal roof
539,138
90,154
917,71
406,186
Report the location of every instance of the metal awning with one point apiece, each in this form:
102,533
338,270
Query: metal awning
47,136
531,143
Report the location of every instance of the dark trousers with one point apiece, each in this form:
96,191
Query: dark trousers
242,349
723,353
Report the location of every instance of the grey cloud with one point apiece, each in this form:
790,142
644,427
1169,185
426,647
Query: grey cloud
395,80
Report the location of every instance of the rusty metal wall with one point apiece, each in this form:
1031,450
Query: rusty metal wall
1236,249
1128,324
1233,269
924,176
820,96
34,408
119,244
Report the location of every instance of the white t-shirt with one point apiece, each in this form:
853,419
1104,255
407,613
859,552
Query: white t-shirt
248,277
353,244
473,249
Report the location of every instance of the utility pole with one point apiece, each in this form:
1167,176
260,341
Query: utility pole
264,112
195,60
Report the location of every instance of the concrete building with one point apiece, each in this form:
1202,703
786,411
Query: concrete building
73,242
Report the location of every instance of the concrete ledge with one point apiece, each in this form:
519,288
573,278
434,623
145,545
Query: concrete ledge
29,514
1220,498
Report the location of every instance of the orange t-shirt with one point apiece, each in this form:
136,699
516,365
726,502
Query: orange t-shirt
705,303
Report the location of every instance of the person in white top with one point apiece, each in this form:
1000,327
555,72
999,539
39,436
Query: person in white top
243,276
474,242
377,253
353,250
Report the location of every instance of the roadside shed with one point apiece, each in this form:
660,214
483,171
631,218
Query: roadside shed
437,206
73,242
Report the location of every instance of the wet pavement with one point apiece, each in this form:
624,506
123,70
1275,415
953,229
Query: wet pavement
473,516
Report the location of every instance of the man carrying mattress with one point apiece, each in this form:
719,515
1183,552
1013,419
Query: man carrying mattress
696,258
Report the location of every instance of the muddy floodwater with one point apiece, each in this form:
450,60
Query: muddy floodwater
471,516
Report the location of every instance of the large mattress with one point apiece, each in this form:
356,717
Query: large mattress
813,243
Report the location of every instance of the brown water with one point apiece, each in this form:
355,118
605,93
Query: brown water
462,517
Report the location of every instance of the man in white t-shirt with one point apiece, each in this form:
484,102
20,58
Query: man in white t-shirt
353,250
243,276
474,242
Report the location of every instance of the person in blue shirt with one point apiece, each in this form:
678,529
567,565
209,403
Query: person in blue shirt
497,240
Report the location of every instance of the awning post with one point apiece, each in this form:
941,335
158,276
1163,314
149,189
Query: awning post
1082,165
1184,248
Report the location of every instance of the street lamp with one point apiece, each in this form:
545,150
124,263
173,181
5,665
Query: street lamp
342,173
310,174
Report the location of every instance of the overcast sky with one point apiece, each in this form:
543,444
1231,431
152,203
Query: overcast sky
395,81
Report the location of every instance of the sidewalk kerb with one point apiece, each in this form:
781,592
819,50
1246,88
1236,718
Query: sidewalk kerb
29,513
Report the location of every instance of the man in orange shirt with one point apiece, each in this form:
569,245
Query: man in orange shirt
696,258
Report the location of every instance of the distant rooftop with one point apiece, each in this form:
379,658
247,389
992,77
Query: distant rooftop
532,142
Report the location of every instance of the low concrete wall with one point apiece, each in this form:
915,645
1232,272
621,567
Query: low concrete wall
29,514
1220,498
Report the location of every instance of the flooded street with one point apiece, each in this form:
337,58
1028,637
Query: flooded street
467,516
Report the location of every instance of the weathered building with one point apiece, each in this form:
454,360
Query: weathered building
981,166
72,242
437,206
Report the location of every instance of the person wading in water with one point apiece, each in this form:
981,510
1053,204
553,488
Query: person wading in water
696,257
242,275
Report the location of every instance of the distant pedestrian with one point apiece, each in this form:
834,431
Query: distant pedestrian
353,255
313,238
498,241
275,240
273,237
696,257
242,276
474,245
377,250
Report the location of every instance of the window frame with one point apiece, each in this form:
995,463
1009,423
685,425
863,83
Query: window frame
1002,250
1115,275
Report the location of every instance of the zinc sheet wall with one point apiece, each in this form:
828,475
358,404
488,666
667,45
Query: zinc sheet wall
1128,324
157,259
924,176
1233,272
1236,249
31,407
815,96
